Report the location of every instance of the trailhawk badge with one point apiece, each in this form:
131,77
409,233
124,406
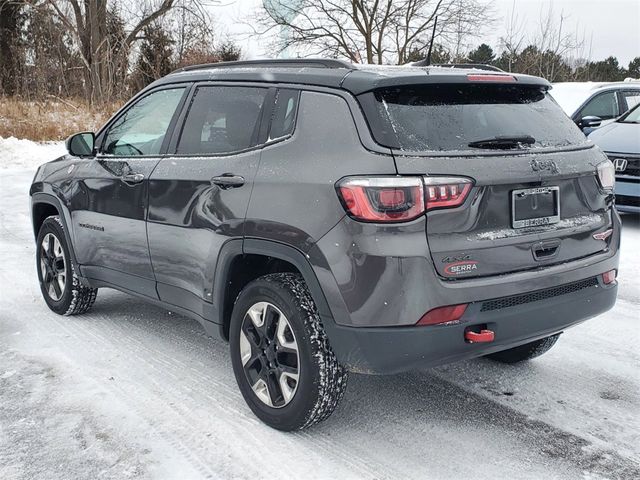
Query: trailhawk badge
461,268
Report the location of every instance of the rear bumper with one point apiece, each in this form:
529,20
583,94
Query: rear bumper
397,349
374,276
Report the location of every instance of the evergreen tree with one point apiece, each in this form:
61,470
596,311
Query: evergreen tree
228,52
607,70
156,56
634,68
439,54
483,54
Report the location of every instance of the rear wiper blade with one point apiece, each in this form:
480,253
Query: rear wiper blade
503,141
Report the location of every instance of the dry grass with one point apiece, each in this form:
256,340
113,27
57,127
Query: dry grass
51,119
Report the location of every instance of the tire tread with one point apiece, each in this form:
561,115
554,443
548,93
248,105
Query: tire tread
82,297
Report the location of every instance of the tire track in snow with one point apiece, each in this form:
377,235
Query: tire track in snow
89,333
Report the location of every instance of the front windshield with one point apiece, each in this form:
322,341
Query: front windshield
632,117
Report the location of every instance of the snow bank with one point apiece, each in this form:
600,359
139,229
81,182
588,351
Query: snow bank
20,153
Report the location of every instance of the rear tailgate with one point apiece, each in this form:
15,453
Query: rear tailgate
536,198
478,238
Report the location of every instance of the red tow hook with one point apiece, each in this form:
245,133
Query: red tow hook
484,336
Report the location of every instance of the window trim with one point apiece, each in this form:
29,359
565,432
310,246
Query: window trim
269,140
267,106
101,136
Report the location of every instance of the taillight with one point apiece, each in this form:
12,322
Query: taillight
451,313
382,199
400,199
607,175
446,192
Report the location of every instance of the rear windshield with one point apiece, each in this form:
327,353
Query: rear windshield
450,116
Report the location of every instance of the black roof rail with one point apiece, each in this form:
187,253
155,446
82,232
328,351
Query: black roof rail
477,66
280,62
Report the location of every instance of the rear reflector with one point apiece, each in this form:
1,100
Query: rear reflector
490,78
446,314
609,277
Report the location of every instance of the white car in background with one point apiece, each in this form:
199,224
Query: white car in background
592,104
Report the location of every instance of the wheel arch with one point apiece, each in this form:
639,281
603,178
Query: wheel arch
240,262
44,205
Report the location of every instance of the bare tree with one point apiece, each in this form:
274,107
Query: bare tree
513,40
550,51
368,31
103,54
557,43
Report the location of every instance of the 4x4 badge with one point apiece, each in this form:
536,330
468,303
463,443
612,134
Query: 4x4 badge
456,258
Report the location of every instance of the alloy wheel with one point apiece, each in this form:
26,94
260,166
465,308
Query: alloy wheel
53,266
269,354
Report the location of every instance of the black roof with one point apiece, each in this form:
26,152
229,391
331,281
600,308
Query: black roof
355,78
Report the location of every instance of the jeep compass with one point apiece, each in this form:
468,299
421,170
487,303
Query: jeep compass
327,218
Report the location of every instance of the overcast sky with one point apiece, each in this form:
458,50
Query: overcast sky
610,27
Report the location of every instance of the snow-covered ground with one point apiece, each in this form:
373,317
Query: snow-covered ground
131,390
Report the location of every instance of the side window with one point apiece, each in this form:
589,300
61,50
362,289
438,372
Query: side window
630,99
604,106
284,114
222,120
142,128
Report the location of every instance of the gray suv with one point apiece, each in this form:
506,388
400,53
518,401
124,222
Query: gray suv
325,217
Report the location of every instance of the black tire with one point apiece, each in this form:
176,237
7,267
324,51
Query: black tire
321,379
74,298
526,351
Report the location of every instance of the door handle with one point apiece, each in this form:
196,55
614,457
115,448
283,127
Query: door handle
133,178
228,180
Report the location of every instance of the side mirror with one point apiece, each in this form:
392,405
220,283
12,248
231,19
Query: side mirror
81,144
590,121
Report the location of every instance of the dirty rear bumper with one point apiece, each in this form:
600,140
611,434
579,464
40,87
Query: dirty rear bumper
387,350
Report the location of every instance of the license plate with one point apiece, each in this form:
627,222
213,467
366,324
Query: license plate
533,207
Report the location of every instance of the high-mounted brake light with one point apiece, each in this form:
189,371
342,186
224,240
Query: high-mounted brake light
451,313
382,199
484,77
446,192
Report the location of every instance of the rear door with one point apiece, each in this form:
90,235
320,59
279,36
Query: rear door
528,204
109,204
198,195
